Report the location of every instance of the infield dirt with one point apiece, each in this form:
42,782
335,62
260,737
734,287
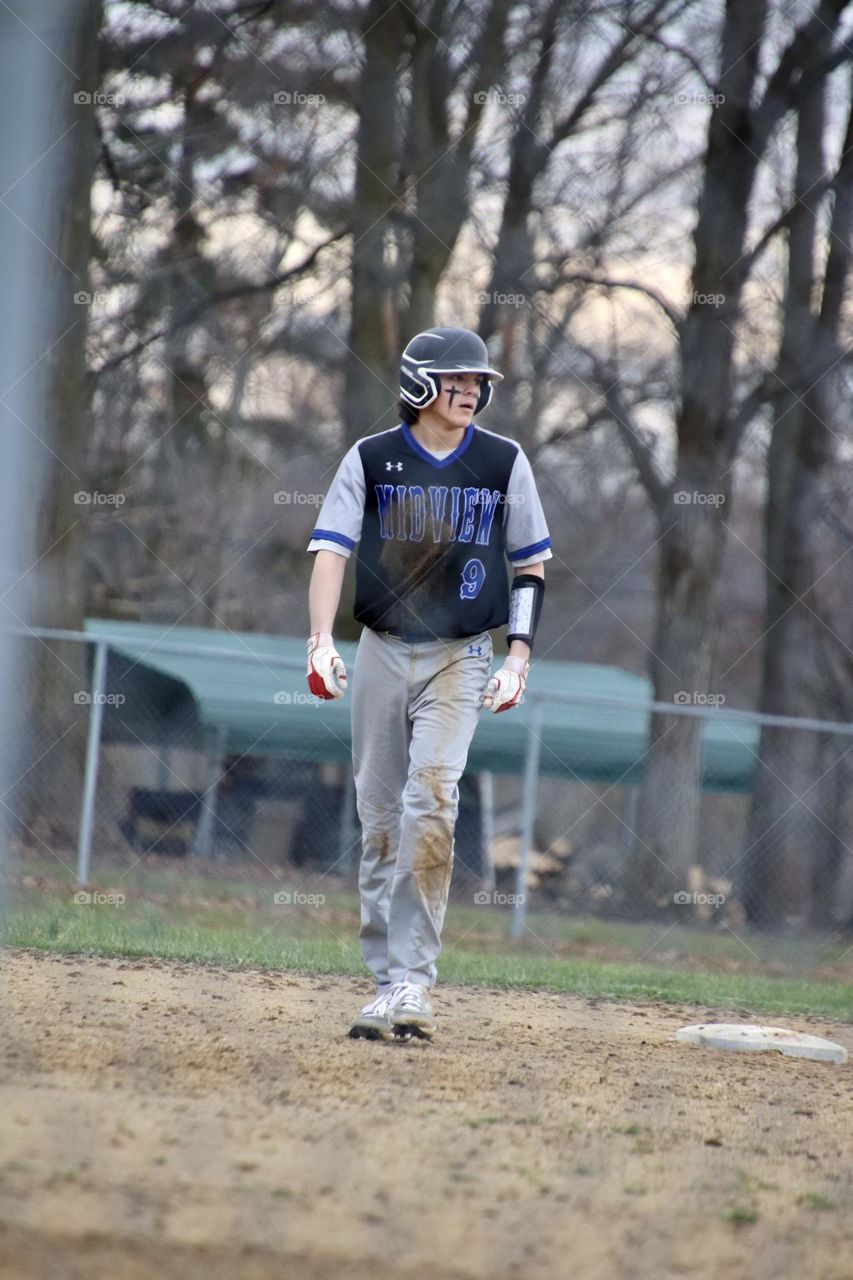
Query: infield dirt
167,1120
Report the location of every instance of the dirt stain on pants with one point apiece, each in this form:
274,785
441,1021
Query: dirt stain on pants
433,859
415,709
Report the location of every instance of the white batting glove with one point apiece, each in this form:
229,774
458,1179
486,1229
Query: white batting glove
327,675
506,686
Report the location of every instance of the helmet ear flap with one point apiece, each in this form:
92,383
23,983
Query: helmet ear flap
485,395
418,387
434,382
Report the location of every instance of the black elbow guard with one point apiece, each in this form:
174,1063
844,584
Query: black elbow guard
525,606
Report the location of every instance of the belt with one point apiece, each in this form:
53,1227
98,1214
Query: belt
395,635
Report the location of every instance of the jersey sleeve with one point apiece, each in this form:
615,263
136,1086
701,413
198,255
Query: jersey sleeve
526,534
338,525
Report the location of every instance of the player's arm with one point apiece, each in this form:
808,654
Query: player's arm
336,533
528,546
327,676
506,686
519,648
324,590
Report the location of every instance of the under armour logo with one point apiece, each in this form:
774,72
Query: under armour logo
475,648
393,466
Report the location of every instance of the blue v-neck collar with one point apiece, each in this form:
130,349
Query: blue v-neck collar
430,457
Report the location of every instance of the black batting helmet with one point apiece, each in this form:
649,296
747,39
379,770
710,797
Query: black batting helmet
437,351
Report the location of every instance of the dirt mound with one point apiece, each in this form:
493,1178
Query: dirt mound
167,1119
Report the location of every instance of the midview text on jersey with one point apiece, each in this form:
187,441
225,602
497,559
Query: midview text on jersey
409,513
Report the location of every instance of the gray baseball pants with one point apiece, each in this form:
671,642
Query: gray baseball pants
415,707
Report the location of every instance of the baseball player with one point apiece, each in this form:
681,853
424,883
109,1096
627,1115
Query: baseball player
435,507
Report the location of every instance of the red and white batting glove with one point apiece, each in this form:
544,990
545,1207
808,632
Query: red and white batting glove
506,686
327,675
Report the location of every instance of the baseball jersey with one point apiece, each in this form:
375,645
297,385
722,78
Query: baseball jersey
433,532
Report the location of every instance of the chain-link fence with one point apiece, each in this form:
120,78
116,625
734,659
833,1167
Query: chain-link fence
171,763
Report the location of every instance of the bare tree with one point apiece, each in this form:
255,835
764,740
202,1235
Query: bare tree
709,425
412,187
288,190
193,328
371,374
782,866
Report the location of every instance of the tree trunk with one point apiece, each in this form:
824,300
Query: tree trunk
59,218
514,257
693,534
192,442
825,851
779,868
438,168
372,377
691,552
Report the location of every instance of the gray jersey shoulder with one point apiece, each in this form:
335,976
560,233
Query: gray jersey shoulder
525,528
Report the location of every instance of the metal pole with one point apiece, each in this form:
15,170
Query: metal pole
93,749
348,854
27,58
163,770
630,806
487,829
528,812
205,828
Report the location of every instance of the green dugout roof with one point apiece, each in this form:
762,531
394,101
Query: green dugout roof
247,692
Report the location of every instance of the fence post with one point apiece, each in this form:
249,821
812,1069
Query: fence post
215,750
349,847
93,750
630,807
528,813
487,829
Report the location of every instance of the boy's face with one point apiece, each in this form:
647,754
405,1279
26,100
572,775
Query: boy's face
457,399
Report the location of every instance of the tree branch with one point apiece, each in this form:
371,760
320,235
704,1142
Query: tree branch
605,282
752,402
214,300
783,222
804,60
840,248
639,448
678,49
612,61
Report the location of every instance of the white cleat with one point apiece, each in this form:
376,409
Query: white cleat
410,1012
373,1023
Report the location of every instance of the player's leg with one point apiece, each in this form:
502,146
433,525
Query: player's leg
444,711
380,741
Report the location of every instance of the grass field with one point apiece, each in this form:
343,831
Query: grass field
191,914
